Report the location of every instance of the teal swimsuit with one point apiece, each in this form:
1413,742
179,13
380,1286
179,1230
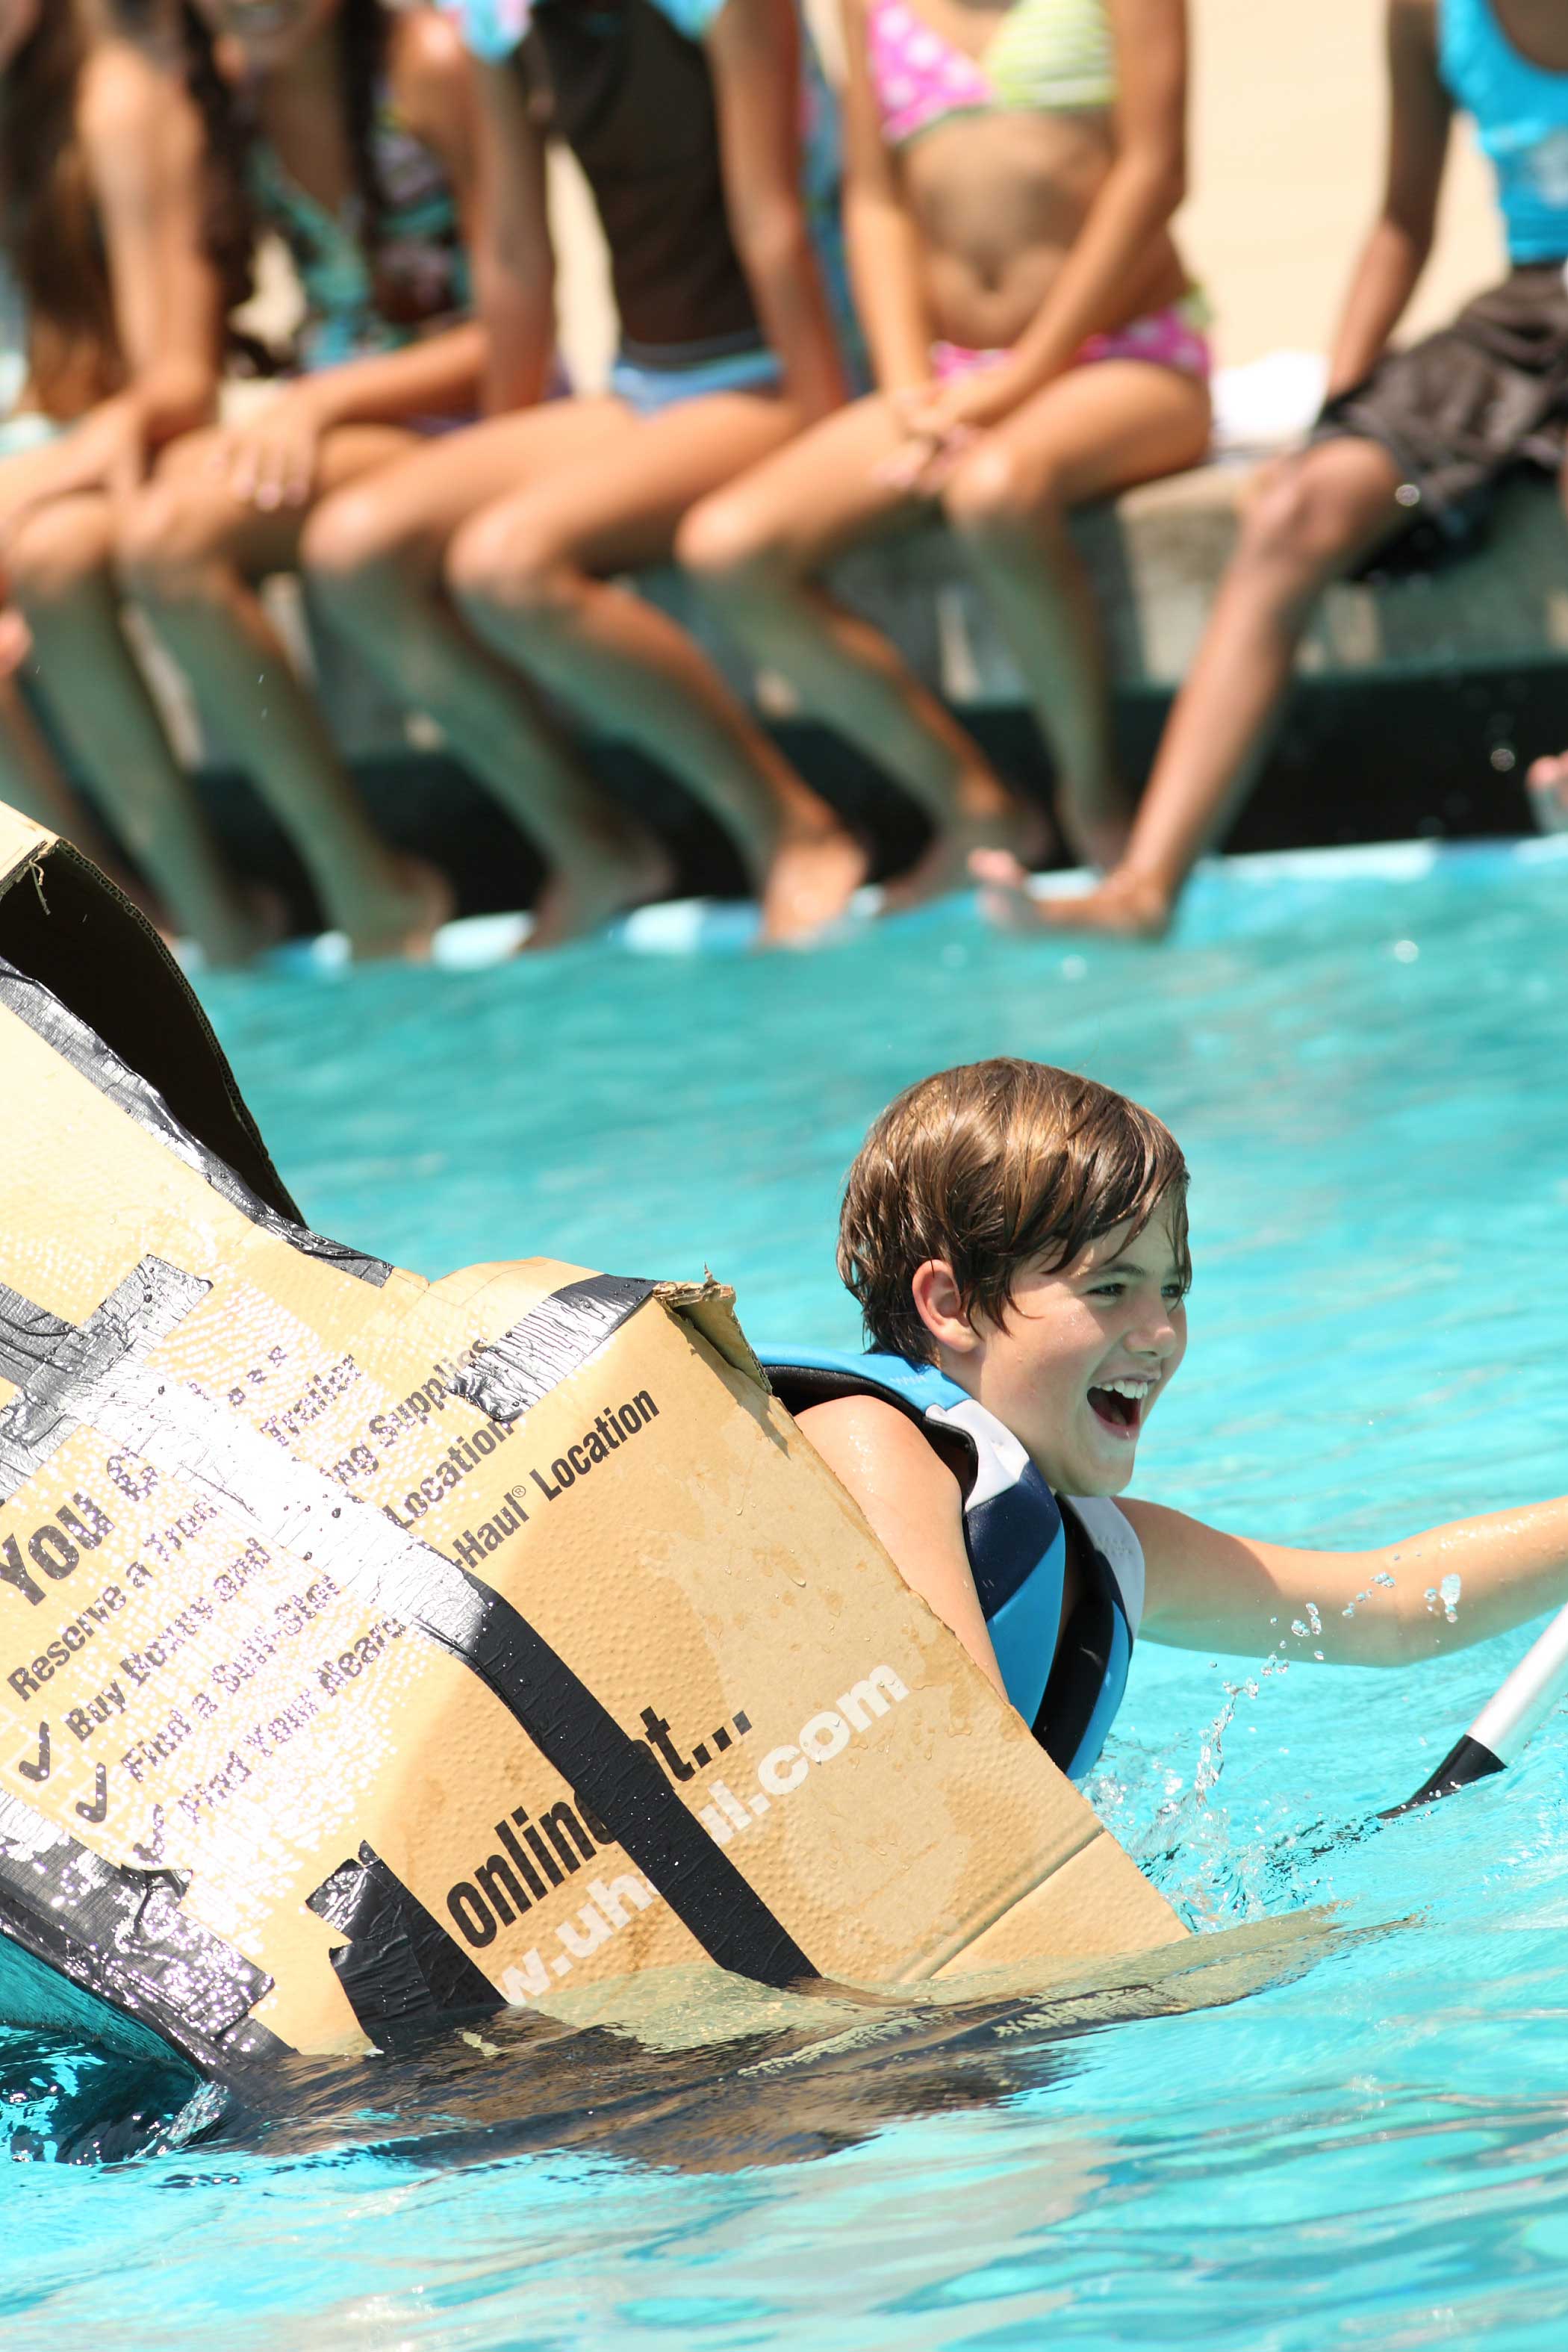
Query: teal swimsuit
357,303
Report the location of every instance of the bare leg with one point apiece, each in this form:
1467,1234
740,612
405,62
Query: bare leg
374,555
753,549
1312,516
1548,779
30,776
189,550
61,558
1090,434
523,572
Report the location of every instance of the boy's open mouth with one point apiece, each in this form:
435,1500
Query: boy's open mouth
1119,1405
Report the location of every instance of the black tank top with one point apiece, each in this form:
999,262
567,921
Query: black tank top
633,101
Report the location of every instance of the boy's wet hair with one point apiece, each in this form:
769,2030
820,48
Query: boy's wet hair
991,1167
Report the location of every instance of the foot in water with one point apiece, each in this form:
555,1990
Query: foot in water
579,898
1547,783
1128,905
403,919
1012,830
809,880
252,918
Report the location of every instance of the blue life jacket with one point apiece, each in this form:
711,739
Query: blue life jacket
1069,1689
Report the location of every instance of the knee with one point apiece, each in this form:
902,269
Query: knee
1296,523
508,562
166,544
346,547
725,546
55,550
992,497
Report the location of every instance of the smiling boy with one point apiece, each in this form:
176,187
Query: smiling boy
1016,1238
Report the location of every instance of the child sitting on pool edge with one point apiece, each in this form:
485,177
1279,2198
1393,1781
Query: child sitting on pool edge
1016,1238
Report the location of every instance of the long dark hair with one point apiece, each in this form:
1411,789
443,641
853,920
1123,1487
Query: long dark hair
49,220
49,213
364,30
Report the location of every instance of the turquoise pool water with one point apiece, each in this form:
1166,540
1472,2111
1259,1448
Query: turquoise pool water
1367,1062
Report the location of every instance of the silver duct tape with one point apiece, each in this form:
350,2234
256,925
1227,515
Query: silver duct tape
552,1339
121,1933
142,1310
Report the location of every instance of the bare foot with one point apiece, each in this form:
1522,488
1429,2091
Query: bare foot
809,882
1015,830
1126,905
576,900
404,921
1547,783
1097,825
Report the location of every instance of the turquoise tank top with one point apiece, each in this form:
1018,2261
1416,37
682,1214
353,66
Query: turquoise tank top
1521,114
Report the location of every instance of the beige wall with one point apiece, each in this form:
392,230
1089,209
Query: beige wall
1287,165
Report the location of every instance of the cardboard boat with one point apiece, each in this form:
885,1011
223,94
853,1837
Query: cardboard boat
374,1650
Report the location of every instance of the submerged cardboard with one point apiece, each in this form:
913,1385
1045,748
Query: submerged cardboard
372,1649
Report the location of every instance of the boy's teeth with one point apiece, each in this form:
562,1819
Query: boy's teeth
1128,1388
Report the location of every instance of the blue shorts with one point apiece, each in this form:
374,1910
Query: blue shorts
647,390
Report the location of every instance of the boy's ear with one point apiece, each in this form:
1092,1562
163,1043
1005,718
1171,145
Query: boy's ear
939,1303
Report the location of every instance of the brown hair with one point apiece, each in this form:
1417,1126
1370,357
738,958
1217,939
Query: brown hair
990,1166
49,211
49,220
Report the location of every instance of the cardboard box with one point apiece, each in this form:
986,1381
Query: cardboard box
372,1649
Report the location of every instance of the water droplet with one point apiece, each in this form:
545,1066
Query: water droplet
1405,952
1298,1629
1383,1578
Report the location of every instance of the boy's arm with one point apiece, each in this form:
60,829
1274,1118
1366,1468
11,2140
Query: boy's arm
1209,1590
1420,116
915,1511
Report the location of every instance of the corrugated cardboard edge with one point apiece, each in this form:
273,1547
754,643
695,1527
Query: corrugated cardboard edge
709,1306
65,925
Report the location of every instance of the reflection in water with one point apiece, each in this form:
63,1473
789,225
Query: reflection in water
689,2070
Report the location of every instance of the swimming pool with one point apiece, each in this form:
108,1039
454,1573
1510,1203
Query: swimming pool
1365,1060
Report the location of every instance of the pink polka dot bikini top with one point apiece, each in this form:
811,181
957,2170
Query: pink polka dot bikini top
1047,56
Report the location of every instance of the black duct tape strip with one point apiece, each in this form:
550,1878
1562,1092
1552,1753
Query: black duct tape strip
552,1341
88,1054
287,1502
614,1774
399,1964
123,1935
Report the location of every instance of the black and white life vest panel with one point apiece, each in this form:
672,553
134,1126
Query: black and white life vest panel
1069,1689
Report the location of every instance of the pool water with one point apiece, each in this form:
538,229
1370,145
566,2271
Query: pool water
1365,1060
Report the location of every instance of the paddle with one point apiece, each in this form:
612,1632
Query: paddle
1515,1710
